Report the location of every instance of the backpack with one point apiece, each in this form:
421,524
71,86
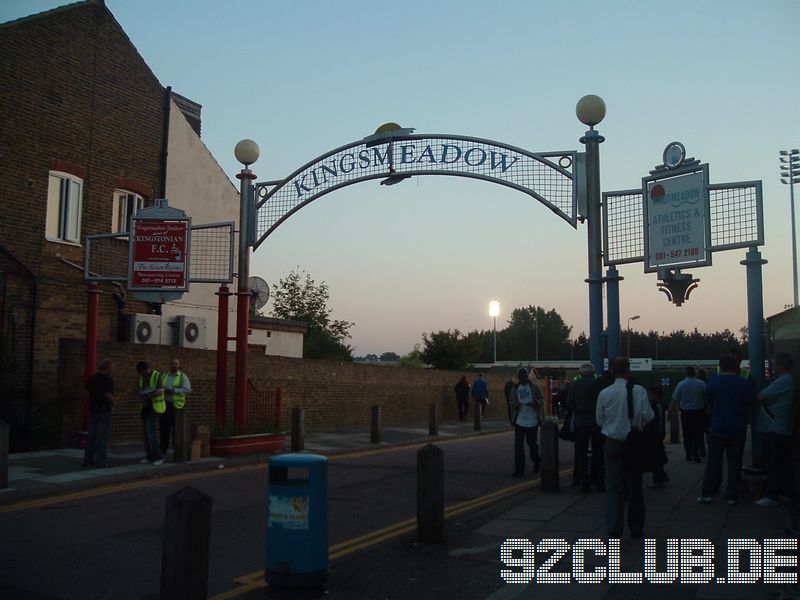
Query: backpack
644,449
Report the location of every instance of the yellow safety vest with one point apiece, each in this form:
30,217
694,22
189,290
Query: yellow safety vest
158,402
178,400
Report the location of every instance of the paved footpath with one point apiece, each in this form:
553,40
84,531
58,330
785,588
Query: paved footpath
468,563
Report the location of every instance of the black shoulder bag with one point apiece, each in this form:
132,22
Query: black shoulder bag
643,450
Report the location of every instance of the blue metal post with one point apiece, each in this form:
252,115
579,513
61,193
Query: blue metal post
755,337
592,141
612,310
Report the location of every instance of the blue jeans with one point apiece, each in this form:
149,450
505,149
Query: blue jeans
151,445
622,487
97,440
775,445
733,447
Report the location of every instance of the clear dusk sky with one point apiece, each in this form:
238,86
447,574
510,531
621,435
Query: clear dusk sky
303,77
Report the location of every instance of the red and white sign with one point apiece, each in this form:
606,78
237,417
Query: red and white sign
159,257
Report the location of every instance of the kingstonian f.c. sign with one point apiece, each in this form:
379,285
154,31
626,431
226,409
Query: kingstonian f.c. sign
549,177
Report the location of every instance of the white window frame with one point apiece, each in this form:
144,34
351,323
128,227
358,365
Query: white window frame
121,214
64,208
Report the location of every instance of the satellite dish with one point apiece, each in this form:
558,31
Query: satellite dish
260,290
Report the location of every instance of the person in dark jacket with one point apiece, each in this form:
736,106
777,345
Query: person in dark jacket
462,398
582,400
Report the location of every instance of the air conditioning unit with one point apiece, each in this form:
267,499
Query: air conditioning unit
189,332
144,329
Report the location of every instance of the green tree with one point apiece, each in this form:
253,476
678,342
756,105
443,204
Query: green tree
298,297
450,349
389,357
413,359
520,337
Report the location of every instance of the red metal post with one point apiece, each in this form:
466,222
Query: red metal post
90,357
242,330
222,356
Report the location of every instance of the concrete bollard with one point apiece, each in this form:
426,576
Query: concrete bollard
430,494
549,452
477,411
181,435
674,427
187,534
298,429
433,420
5,434
375,425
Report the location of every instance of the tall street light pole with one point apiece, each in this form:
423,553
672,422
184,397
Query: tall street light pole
590,111
494,310
247,153
633,318
790,174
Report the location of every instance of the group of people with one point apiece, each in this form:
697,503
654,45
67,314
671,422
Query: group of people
160,395
480,394
714,414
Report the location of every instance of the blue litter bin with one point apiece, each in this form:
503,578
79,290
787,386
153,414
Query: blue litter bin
297,520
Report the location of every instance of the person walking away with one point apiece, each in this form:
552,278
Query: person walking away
152,396
622,486
101,400
689,396
480,393
775,423
583,404
730,398
462,398
176,386
526,402
702,375
654,394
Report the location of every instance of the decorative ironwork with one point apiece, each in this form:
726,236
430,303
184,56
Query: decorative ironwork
549,177
736,214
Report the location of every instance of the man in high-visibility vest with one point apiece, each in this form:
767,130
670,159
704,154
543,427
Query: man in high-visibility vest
151,393
176,386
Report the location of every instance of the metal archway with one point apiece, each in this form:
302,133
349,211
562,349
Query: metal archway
550,177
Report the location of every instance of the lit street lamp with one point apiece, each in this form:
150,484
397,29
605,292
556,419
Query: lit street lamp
494,310
790,174
633,318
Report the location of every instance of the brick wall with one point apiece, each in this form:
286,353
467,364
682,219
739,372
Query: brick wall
334,395
75,94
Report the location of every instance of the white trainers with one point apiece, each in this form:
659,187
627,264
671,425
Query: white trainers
704,499
765,501
158,462
144,461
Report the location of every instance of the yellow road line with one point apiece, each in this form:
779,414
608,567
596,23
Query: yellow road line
143,483
255,579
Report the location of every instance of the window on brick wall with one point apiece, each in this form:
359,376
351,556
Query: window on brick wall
64,202
126,204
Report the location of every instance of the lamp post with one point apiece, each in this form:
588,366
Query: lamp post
247,153
536,333
494,310
590,111
790,174
633,318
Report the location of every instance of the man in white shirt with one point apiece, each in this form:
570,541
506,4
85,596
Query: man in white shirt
526,401
612,417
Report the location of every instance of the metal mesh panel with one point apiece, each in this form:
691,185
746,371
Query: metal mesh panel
106,255
735,213
550,181
735,216
624,226
212,254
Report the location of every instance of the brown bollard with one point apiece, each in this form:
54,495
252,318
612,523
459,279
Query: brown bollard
433,420
298,429
375,425
4,446
181,435
187,534
430,494
549,451
674,427
477,409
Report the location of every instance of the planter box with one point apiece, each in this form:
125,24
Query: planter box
239,445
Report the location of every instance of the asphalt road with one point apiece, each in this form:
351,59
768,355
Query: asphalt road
108,545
